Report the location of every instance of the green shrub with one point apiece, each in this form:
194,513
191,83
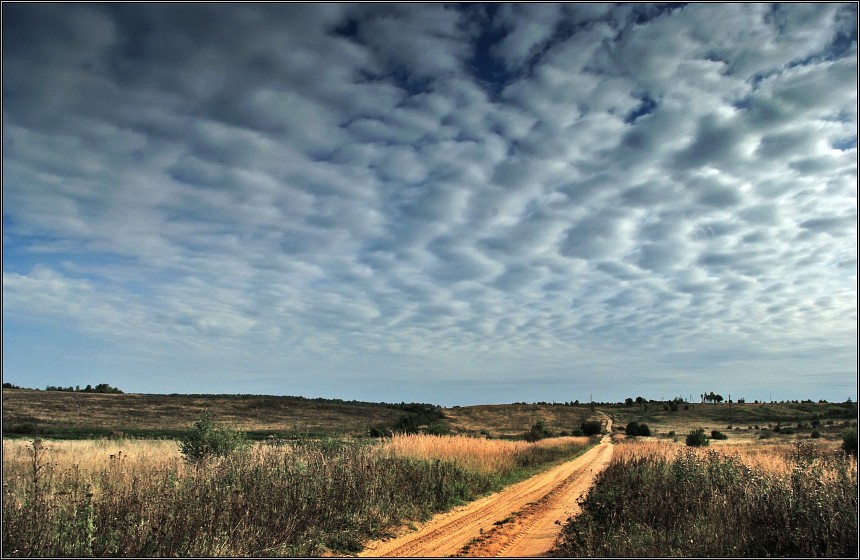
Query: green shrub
207,441
538,431
715,434
697,438
637,429
439,428
591,427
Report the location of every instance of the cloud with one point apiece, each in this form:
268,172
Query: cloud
432,191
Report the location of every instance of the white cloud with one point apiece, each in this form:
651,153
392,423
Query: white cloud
333,187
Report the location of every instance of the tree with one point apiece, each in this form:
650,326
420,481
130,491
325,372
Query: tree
628,401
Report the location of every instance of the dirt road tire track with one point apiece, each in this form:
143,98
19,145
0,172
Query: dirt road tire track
521,520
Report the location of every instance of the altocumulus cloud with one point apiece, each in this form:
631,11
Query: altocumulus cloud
456,204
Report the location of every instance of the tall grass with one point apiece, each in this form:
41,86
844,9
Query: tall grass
656,500
299,499
494,457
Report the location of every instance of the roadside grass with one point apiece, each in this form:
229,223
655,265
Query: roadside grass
282,498
656,499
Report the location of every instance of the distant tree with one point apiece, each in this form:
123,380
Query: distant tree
628,401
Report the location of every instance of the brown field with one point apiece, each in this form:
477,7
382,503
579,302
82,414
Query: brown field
49,409
508,420
124,412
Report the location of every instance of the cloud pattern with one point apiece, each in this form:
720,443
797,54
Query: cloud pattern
427,195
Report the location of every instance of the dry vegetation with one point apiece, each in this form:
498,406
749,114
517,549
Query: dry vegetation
134,414
477,454
511,420
305,498
661,499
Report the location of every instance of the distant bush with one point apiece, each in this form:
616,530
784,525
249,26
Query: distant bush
849,442
538,432
637,429
207,441
439,428
715,434
815,434
591,427
697,438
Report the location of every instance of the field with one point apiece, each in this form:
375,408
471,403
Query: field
313,483
69,415
742,423
306,498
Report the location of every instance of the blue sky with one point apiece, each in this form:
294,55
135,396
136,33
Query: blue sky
458,204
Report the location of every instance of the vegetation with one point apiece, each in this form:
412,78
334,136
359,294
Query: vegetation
207,441
102,388
591,427
637,429
659,502
697,438
298,498
849,442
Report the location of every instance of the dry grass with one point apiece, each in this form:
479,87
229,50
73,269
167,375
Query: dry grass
116,414
478,454
659,499
512,420
302,498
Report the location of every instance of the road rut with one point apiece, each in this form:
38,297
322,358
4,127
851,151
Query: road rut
521,520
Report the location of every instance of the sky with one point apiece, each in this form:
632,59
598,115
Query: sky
455,204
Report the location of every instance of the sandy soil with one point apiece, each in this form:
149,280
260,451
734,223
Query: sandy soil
521,520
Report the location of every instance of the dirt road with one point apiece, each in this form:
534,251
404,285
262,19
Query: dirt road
521,520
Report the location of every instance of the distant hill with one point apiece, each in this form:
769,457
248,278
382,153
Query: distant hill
79,414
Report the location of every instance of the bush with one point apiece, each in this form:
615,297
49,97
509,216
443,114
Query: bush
715,434
637,429
849,442
439,429
538,431
697,438
207,441
591,427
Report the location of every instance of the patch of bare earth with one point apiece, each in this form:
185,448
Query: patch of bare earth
521,520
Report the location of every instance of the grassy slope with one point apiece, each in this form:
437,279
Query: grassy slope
742,417
60,413
507,420
55,412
